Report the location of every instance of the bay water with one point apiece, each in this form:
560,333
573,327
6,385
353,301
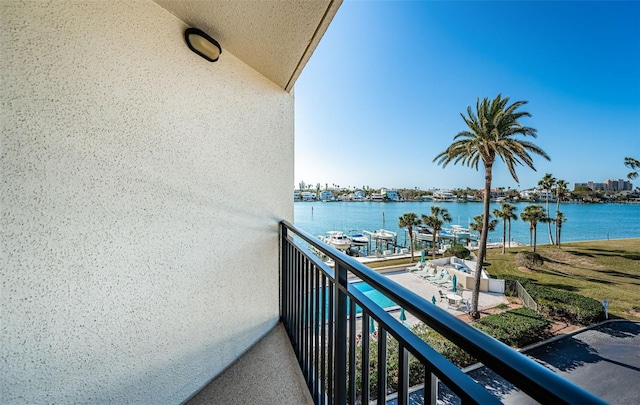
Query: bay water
584,221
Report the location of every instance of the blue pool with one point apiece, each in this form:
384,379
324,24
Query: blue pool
374,295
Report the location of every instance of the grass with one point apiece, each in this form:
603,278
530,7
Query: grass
600,269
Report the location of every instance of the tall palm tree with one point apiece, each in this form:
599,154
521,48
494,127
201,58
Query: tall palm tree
560,218
533,214
437,218
493,131
547,184
506,214
409,220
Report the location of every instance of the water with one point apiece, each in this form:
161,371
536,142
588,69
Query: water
584,221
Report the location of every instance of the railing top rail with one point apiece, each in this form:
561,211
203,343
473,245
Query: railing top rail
532,378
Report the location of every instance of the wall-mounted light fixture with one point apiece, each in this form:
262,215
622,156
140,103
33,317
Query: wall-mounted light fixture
202,44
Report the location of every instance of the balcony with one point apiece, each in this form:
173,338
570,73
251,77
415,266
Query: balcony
335,349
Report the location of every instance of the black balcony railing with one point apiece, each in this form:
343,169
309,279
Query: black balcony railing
319,309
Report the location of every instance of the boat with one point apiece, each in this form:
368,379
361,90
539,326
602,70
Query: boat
338,240
381,234
358,239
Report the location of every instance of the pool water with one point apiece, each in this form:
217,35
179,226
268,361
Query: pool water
374,295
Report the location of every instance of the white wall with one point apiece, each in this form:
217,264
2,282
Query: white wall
141,188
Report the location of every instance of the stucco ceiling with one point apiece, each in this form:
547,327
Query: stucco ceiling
276,38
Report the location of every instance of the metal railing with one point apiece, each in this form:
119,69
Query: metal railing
515,288
319,309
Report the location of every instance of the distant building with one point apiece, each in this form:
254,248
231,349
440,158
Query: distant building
308,196
593,186
618,185
326,195
389,195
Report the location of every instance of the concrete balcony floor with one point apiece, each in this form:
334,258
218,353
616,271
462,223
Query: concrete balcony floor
268,373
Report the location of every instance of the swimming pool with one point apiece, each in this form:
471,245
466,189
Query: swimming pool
374,295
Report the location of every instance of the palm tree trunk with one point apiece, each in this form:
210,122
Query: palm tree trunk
433,244
558,237
509,232
549,223
411,242
504,234
482,249
535,236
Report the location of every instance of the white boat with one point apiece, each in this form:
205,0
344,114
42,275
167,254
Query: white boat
382,234
358,239
338,240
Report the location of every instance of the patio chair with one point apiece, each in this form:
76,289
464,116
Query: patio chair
443,296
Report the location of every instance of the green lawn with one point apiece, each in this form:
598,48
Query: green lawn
600,270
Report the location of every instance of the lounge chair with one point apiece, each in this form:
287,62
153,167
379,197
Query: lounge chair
426,273
416,267
438,276
444,280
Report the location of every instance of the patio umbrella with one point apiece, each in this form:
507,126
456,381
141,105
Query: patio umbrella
422,256
454,280
403,316
433,299
372,327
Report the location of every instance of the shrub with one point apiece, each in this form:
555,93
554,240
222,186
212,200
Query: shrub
561,304
458,251
517,327
528,259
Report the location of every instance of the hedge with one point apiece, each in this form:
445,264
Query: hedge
561,304
517,327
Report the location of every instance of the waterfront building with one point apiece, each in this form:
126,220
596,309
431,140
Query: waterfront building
618,185
308,196
326,195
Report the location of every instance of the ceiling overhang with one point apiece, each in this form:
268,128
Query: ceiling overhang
276,38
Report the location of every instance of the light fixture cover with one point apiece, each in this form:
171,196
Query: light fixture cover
202,44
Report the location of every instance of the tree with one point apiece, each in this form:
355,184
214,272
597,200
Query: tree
493,131
560,218
633,164
478,223
438,217
533,214
560,192
547,183
409,220
506,213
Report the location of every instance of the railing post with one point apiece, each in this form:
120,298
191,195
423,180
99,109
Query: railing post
283,271
340,370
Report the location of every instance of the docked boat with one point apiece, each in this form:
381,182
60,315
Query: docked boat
382,234
358,239
338,240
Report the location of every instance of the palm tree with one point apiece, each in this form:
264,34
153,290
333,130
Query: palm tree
547,183
506,214
478,223
560,218
633,164
492,133
438,217
533,214
409,220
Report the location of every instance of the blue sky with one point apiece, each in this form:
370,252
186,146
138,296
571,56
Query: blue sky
383,92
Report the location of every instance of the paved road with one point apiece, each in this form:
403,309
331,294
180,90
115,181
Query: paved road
604,360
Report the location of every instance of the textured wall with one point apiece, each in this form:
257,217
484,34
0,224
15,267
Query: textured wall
141,188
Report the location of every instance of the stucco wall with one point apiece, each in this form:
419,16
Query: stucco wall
140,194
